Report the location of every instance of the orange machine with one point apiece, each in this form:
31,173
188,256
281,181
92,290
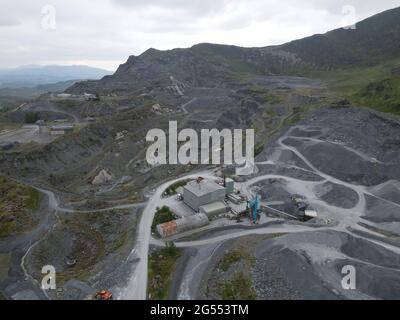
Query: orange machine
103,295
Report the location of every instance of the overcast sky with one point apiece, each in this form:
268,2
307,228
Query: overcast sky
104,33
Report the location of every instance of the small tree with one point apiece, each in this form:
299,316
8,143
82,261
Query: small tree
171,248
31,117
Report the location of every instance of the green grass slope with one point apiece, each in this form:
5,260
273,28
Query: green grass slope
18,204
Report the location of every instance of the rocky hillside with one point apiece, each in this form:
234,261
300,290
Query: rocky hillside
156,68
374,40
18,207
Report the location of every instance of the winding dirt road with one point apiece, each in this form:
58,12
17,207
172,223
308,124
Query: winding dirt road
137,285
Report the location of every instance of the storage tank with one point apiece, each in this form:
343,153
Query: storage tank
229,185
183,224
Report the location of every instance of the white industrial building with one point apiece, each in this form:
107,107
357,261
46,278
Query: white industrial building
61,129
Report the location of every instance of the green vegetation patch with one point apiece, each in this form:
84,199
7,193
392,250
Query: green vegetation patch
18,204
239,288
162,264
31,117
272,99
270,114
351,80
297,116
230,259
162,215
295,119
259,147
33,199
383,95
264,95
235,256
377,86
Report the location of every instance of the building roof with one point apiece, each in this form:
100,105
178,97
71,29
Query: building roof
62,127
168,228
203,187
215,206
193,220
183,224
311,213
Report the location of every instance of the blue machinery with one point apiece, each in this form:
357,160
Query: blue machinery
253,206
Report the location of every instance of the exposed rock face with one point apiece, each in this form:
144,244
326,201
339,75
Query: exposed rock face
155,69
102,178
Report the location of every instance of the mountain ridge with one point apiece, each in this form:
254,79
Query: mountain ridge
375,40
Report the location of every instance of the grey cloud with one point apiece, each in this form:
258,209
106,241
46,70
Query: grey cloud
198,7
361,6
9,22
